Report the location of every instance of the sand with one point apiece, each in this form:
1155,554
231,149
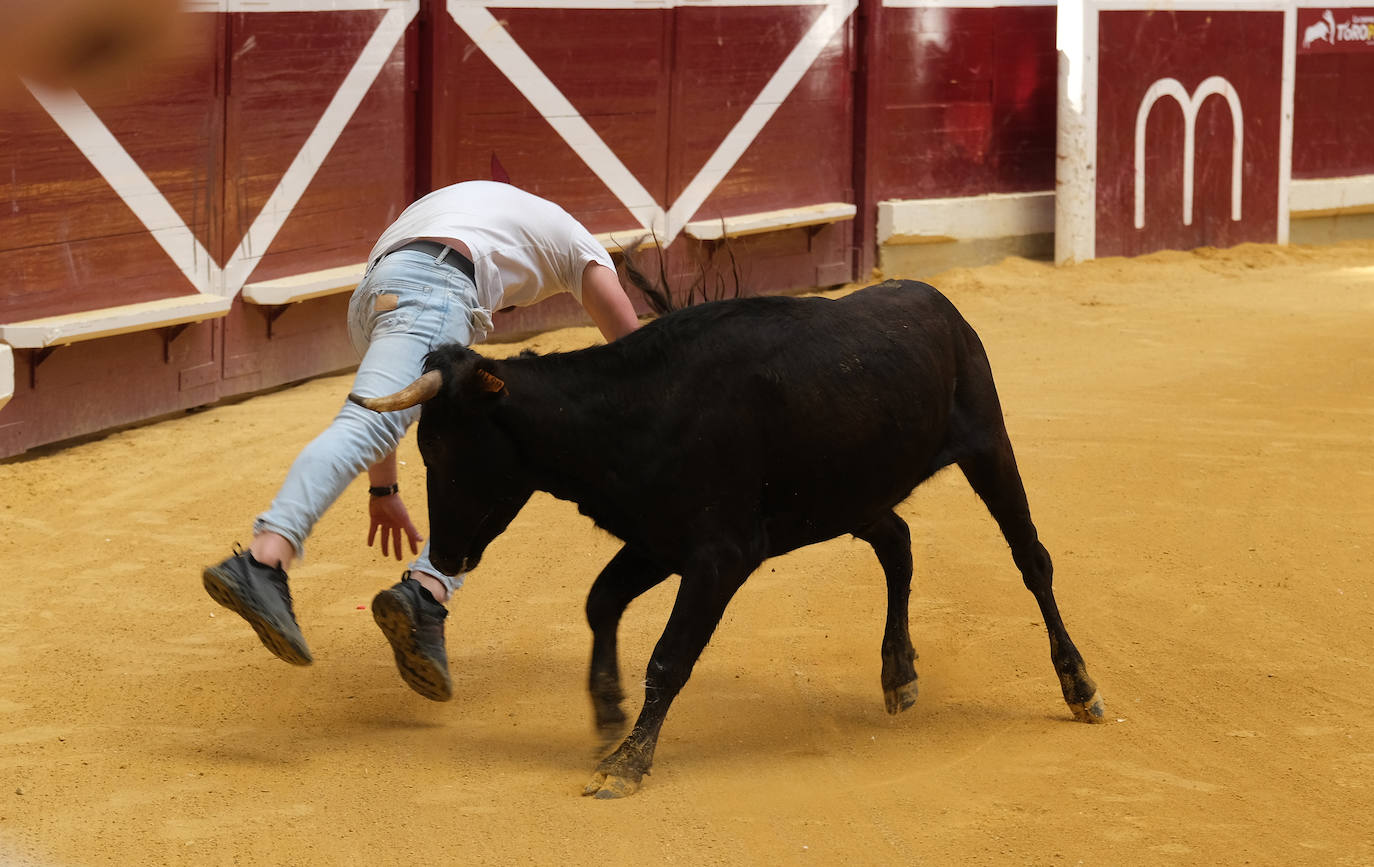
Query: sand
1195,433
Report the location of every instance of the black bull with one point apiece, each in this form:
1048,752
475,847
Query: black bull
719,436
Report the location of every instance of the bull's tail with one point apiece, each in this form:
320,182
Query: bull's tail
709,284
656,293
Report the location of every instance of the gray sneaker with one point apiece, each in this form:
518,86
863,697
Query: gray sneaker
258,593
414,624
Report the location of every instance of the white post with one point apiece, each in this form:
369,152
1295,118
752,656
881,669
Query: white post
1290,50
1075,200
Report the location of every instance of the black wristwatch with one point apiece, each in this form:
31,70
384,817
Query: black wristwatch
384,490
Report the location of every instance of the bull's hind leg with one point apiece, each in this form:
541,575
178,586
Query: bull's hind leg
624,578
891,541
994,476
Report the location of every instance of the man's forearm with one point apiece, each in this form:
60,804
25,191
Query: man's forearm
383,473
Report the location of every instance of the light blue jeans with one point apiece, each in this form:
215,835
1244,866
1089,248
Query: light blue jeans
434,303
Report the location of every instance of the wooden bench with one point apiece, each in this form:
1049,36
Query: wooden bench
170,316
616,242
276,296
54,331
770,221
737,225
303,287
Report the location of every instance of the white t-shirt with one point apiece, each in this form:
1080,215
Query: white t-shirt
524,248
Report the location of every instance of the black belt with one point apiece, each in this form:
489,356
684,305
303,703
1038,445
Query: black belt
452,257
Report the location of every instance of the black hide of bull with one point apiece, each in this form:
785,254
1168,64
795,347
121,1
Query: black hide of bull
721,435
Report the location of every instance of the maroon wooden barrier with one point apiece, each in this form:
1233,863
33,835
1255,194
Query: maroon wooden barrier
285,148
68,242
1244,48
1179,146
962,101
957,103
659,90
278,156
285,70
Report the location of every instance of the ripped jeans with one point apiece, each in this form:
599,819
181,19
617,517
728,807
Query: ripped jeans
432,303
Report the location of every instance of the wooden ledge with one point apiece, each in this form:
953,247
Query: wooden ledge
770,221
303,287
6,374
616,242
110,321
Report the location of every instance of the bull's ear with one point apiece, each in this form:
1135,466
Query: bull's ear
482,381
490,382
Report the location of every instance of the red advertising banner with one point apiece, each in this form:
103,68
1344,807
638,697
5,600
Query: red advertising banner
1323,31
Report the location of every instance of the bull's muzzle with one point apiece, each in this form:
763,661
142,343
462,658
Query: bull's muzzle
419,391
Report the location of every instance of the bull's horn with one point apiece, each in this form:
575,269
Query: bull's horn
417,392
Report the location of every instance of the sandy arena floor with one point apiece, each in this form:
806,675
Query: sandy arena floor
1196,432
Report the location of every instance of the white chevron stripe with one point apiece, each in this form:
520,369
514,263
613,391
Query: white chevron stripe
98,144
737,141
129,181
491,37
320,142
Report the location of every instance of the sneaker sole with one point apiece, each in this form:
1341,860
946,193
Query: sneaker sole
225,589
421,673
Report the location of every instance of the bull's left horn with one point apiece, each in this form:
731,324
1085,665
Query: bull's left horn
417,392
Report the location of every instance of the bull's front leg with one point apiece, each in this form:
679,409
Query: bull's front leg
701,600
628,575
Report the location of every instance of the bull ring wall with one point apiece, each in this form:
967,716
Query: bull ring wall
194,235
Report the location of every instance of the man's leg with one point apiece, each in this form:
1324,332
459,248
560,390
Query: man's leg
411,616
253,583
273,549
411,613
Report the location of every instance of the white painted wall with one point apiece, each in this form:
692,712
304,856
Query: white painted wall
997,215
1331,194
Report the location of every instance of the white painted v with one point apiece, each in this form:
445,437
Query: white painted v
142,196
490,35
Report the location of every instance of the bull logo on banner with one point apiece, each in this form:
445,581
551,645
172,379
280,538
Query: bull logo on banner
1324,29
1216,85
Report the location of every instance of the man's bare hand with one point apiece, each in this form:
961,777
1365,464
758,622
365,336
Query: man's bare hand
390,516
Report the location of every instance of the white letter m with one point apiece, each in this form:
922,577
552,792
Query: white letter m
1190,105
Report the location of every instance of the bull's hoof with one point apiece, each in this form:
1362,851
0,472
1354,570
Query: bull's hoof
901,698
1090,711
604,787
